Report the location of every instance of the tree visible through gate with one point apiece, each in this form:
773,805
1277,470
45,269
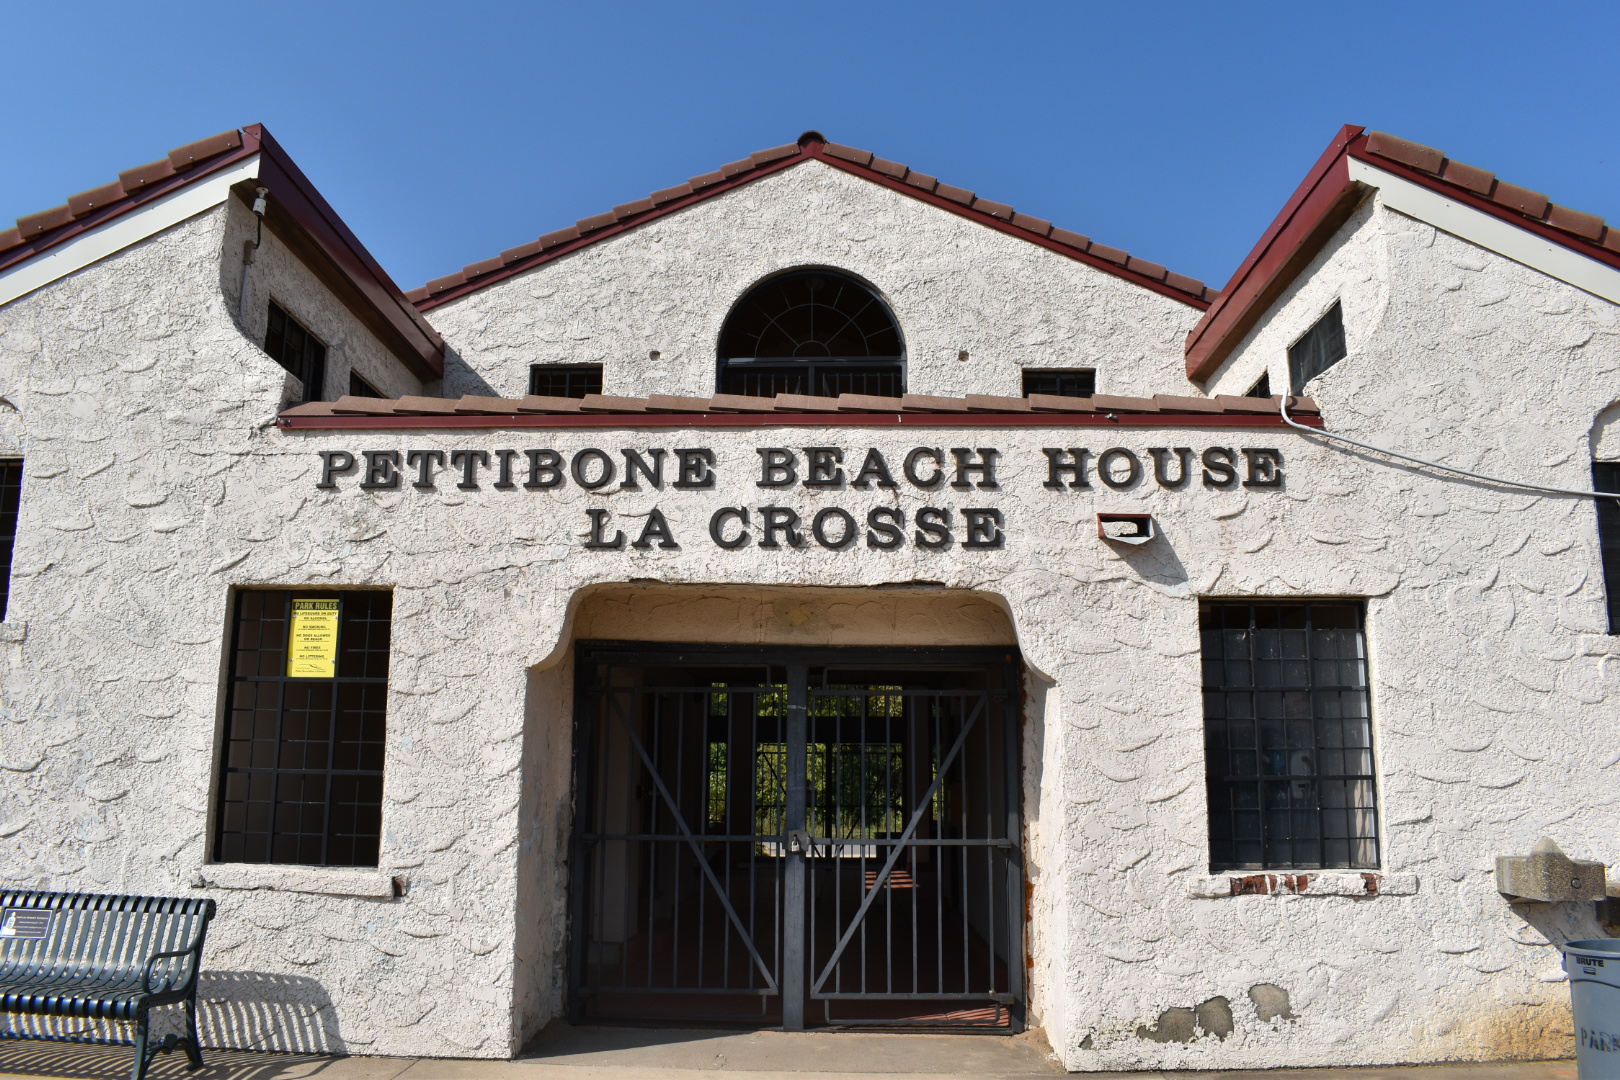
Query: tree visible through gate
797,837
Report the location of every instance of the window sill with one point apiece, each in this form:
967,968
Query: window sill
1322,883
319,880
13,632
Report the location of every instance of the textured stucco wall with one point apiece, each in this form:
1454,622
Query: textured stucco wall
954,286
156,482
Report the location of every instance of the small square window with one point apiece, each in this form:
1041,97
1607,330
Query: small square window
565,380
358,387
1061,382
1320,348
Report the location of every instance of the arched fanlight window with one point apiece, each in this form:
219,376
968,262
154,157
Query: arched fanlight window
811,332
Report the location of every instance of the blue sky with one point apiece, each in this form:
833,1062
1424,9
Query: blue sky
444,133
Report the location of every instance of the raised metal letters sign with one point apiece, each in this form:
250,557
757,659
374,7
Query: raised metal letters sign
781,469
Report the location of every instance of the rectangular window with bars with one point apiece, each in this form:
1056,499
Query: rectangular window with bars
10,503
1605,477
1288,736
303,762
565,380
296,349
1062,382
1318,349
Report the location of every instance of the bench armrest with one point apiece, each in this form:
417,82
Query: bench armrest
194,949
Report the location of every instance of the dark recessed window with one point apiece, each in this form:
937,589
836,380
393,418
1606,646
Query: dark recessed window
1288,737
295,349
303,764
1605,477
811,332
565,380
1064,382
1320,348
1261,389
10,500
358,387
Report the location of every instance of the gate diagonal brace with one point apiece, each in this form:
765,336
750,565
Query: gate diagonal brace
894,856
691,841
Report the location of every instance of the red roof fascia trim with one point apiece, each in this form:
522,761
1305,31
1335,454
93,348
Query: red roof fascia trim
147,194
1257,278
551,254
818,420
1468,198
990,221
809,151
289,186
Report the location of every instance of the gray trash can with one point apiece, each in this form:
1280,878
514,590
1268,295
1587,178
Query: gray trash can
1594,989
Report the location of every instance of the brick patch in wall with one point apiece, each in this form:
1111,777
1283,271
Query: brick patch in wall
1310,884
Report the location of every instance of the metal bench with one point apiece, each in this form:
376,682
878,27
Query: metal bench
84,956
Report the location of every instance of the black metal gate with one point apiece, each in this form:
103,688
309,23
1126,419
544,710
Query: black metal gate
804,837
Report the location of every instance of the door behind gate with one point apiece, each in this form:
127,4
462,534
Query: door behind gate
797,837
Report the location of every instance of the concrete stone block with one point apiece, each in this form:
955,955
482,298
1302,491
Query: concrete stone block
1549,876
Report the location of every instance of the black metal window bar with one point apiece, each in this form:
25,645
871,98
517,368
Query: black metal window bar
811,332
1288,736
297,350
565,380
1063,382
756,838
303,762
10,505
1605,477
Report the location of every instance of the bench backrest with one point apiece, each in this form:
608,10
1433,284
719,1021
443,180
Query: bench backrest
100,939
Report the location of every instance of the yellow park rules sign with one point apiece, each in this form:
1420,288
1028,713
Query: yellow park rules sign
312,643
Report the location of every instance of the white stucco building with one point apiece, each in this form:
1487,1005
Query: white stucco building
814,595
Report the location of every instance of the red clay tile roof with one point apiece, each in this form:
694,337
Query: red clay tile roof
813,146
606,410
133,188
1325,200
322,240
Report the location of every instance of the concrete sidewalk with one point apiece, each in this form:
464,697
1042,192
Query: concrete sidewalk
640,1054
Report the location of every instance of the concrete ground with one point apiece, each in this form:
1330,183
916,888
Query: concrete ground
641,1054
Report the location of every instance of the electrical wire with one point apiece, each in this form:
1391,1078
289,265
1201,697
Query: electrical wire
1289,420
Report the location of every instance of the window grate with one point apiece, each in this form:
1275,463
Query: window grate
296,349
811,332
1321,347
823,380
565,380
303,764
1606,477
1288,737
10,502
1062,382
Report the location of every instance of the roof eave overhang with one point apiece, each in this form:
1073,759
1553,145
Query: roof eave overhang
303,220
1316,210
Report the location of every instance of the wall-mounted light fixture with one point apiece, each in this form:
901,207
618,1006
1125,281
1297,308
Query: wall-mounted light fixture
1126,528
